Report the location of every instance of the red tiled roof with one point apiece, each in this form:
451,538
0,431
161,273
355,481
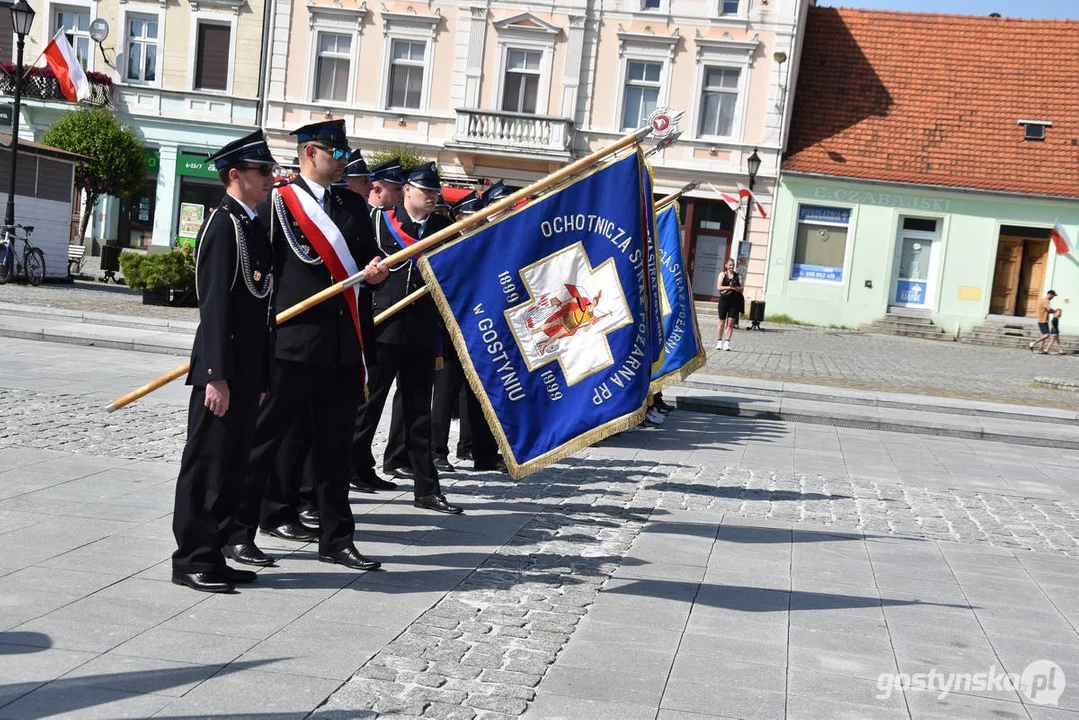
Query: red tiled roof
936,100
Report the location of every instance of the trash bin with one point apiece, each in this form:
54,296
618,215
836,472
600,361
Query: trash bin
110,262
756,314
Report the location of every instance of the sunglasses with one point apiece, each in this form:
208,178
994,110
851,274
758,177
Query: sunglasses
336,153
263,170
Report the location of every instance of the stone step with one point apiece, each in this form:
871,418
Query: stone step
903,324
930,334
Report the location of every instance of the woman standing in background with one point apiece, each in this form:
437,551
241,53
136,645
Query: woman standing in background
731,304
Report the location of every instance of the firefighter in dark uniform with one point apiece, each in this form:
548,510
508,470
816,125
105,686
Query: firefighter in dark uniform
230,366
319,368
406,345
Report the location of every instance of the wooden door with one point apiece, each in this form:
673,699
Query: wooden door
1032,276
1006,276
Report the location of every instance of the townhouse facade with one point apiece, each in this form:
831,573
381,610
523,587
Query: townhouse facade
185,74
514,90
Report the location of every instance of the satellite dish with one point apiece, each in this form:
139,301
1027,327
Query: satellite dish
99,30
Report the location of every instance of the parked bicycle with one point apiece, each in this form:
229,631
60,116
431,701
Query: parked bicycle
32,261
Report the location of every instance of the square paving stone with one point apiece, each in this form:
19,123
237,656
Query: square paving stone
743,649
71,701
320,649
732,701
927,705
190,647
24,668
603,685
548,706
802,707
251,693
139,675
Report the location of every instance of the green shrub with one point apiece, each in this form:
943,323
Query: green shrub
165,271
409,158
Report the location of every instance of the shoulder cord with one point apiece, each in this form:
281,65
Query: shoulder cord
378,242
262,291
282,216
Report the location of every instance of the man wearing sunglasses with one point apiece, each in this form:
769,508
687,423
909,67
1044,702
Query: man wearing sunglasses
320,235
230,365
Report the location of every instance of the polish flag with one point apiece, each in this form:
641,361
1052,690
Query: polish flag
61,58
733,202
1060,239
745,193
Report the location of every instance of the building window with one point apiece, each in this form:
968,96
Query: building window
650,5
332,67
728,7
76,25
141,49
212,56
820,249
719,98
641,92
406,73
522,81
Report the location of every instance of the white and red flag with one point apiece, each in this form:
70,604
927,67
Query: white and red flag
65,65
1060,239
745,193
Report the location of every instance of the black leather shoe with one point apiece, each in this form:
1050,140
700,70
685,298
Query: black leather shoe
211,582
247,554
309,519
403,473
359,485
496,464
237,576
442,463
291,531
379,484
438,503
350,557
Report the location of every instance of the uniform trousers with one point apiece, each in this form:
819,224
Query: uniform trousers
212,471
329,397
414,371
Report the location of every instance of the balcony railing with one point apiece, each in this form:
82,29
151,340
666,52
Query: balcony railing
45,87
513,132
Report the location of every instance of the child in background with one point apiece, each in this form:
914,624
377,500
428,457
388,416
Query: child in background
1054,332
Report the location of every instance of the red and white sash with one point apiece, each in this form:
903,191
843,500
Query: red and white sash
330,244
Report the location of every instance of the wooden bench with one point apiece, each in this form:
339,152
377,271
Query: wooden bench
74,258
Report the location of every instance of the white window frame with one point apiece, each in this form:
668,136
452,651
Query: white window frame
643,47
539,74
733,55
409,27
742,13
530,33
48,28
211,18
338,21
146,12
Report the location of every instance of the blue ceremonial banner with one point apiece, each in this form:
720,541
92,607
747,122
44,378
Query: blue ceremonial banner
683,351
655,317
547,308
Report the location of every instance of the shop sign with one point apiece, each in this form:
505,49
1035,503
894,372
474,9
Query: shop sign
801,271
823,214
152,159
191,215
910,202
910,292
194,165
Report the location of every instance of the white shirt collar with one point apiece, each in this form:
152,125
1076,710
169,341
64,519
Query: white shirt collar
317,190
250,213
421,223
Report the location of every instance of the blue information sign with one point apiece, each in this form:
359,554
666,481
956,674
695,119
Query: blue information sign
822,213
910,292
801,271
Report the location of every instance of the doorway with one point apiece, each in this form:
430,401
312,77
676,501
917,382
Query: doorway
1019,275
708,228
915,265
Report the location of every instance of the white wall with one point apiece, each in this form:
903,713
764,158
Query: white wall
52,228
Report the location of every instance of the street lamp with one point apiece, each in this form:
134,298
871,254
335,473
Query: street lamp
22,17
753,164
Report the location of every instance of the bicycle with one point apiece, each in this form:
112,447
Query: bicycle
32,263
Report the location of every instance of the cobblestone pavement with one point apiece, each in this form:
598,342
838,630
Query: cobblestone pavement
865,361
92,296
483,648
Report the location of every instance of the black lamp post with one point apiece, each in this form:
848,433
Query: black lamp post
753,164
22,17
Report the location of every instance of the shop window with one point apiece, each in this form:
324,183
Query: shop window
332,67
406,73
522,80
75,22
923,224
212,56
641,92
820,247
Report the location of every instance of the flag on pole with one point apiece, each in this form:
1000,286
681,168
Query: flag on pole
655,314
548,310
1060,239
65,65
683,351
745,193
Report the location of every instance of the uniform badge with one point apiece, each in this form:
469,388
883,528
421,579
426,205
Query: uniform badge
306,249
256,275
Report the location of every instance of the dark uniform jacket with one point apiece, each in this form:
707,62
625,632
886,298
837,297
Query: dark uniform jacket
235,337
325,334
417,325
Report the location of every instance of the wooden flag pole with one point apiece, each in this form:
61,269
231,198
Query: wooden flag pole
180,371
402,255
662,203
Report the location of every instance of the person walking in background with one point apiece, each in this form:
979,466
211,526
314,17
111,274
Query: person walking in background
1054,332
1043,320
731,304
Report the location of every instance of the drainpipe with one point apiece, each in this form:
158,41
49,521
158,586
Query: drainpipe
260,104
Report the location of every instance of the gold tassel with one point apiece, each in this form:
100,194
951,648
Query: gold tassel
439,363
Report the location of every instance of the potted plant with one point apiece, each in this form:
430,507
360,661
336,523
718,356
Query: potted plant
164,278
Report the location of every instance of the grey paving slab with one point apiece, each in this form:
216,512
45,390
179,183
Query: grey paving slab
561,707
75,701
249,691
605,685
